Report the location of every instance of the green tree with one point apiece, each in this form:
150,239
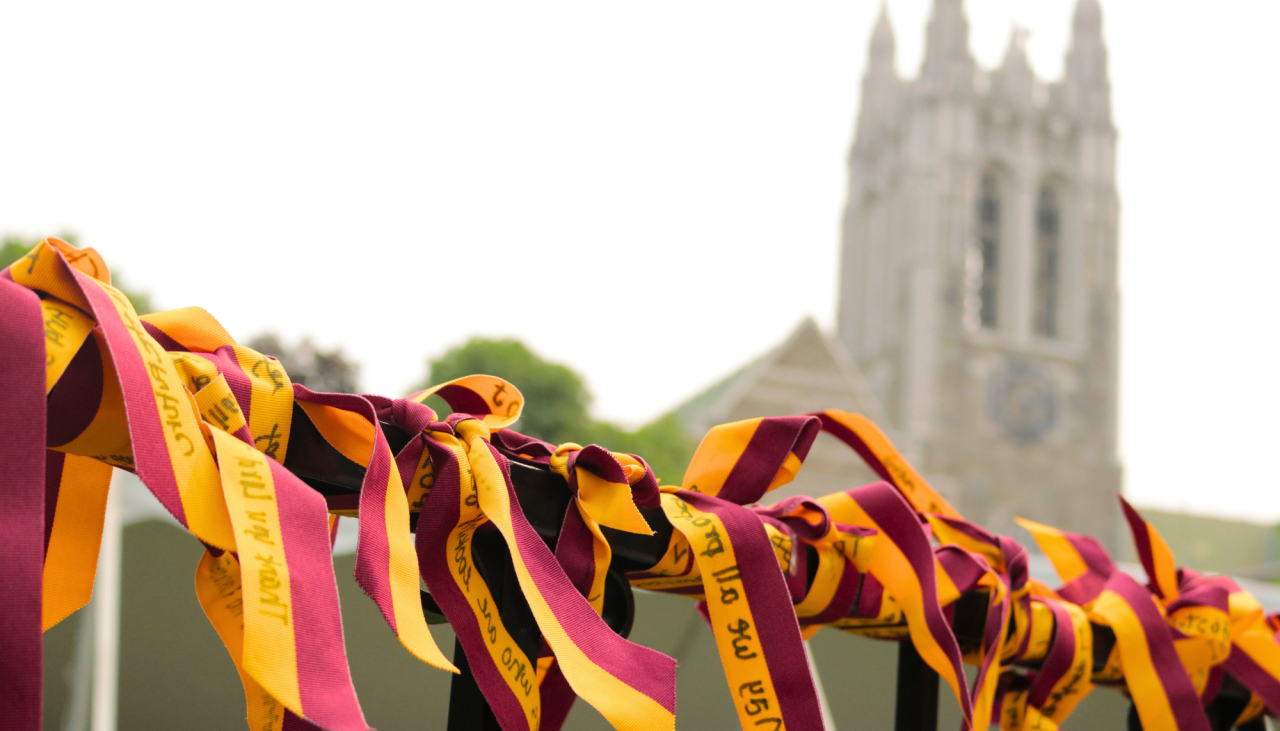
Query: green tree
14,248
558,404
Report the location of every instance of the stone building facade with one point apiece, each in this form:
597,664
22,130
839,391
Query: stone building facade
978,283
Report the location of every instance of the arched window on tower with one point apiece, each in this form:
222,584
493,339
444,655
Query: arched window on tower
988,251
1048,262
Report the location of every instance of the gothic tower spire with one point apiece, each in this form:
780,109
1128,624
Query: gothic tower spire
882,44
879,84
1088,88
948,64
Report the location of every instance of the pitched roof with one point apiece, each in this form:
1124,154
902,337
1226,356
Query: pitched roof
807,371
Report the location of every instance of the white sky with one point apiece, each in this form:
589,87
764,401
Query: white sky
649,193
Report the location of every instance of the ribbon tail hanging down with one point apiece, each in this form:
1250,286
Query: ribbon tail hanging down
386,563
289,628
22,448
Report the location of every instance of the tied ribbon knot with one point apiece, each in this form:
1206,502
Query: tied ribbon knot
842,554
1216,626
602,493
606,487
602,485
749,565
1175,636
632,686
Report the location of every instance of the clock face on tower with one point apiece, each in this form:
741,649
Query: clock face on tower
1023,400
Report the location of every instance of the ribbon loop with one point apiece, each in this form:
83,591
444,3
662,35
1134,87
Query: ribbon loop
490,399
386,563
740,462
878,452
632,686
601,485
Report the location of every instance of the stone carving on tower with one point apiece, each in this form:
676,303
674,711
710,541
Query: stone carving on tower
978,287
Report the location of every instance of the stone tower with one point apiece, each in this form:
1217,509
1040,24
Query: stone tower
978,288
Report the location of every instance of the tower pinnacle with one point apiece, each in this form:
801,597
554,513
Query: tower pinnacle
879,83
1088,16
882,42
947,60
1086,75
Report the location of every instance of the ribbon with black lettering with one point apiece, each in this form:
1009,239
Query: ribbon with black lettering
748,601
122,398
450,516
274,602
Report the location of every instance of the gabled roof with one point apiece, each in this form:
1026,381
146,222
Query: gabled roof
807,371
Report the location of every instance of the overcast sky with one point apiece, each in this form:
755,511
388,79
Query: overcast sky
649,193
